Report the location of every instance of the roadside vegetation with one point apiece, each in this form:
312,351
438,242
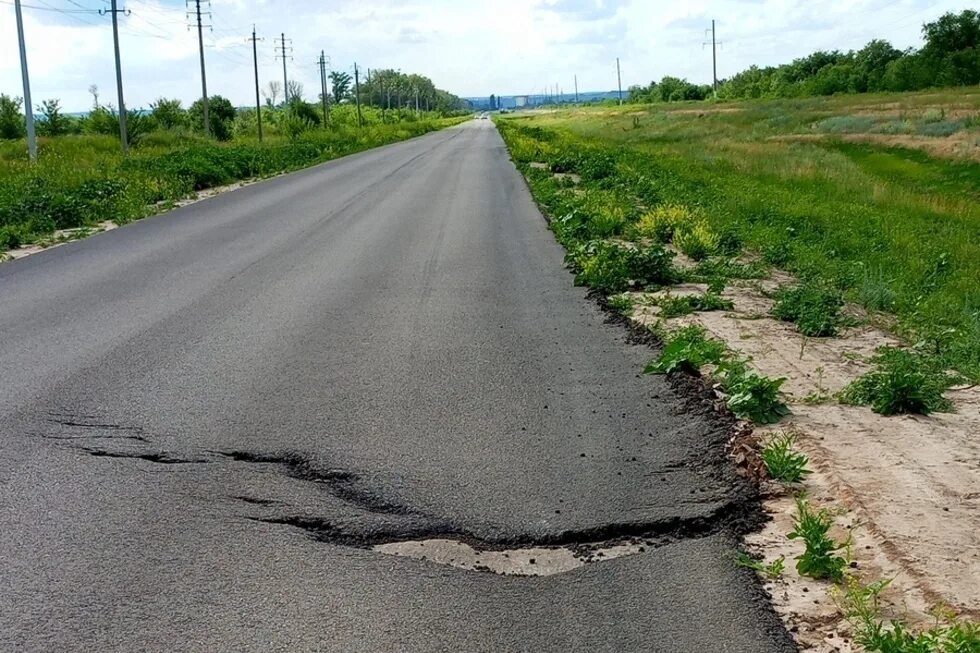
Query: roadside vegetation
82,179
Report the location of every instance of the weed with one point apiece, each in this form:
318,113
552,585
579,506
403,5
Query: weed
875,292
819,559
755,397
622,304
773,570
697,241
861,606
782,461
726,268
902,381
687,349
661,223
814,306
612,267
674,305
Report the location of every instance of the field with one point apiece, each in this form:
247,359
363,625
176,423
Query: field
83,180
877,196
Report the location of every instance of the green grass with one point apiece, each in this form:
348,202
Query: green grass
82,180
772,570
677,305
903,381
892,224
814,306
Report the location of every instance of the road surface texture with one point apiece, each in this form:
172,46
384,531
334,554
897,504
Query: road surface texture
210,417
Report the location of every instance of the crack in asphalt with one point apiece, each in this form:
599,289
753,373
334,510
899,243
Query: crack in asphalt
161,457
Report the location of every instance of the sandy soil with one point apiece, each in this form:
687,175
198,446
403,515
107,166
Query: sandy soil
908,487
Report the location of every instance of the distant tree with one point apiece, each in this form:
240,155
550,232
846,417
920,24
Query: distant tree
102,120
493,101
953,48
294,89
169,113
871,62
304,111
94,91
55,123
340,84
272,92
221,113
12,122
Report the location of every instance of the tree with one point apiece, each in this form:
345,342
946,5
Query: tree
94,90
871,61
221,113
340,84
294,89
272,91
953,48
55,123
12,123
169,114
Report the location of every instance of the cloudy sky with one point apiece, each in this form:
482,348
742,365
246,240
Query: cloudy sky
469,47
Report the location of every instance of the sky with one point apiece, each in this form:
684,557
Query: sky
467,47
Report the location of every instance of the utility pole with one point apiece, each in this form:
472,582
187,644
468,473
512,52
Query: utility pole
619,81
123,131
357,96
255,59
28,108
714,58
282,50
576,89
204,77
323,87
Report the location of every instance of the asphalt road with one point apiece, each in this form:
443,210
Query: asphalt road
208,417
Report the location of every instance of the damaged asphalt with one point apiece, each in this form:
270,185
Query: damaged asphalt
208,418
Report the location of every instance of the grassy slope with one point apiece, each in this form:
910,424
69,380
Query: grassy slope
83,180
867,191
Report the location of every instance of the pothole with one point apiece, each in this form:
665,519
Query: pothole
531,561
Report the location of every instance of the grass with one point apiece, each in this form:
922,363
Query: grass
677,305
903,381
823,187
80,181
782,461
772,570
814,306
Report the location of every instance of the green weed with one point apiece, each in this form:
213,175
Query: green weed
753,396
902,381
782,461
820,558
662,222
772,570
697,241
613,267
687,349
814,306
677,305
622,304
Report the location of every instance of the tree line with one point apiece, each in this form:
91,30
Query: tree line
392,94
949,57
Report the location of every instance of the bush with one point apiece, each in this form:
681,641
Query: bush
753,396
814,306
12,121
903,381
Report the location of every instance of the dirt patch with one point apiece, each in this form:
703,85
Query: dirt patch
908,486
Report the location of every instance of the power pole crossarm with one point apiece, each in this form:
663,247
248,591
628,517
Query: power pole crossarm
28,107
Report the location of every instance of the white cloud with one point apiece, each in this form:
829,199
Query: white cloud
466,47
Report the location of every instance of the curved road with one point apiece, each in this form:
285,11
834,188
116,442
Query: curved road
208,419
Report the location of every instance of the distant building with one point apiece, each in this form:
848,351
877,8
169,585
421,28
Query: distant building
520,101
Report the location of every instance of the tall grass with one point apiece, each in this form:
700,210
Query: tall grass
893,227
82,180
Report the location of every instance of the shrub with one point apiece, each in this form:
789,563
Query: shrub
782,462
814,306
903,381
688,349
12,121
